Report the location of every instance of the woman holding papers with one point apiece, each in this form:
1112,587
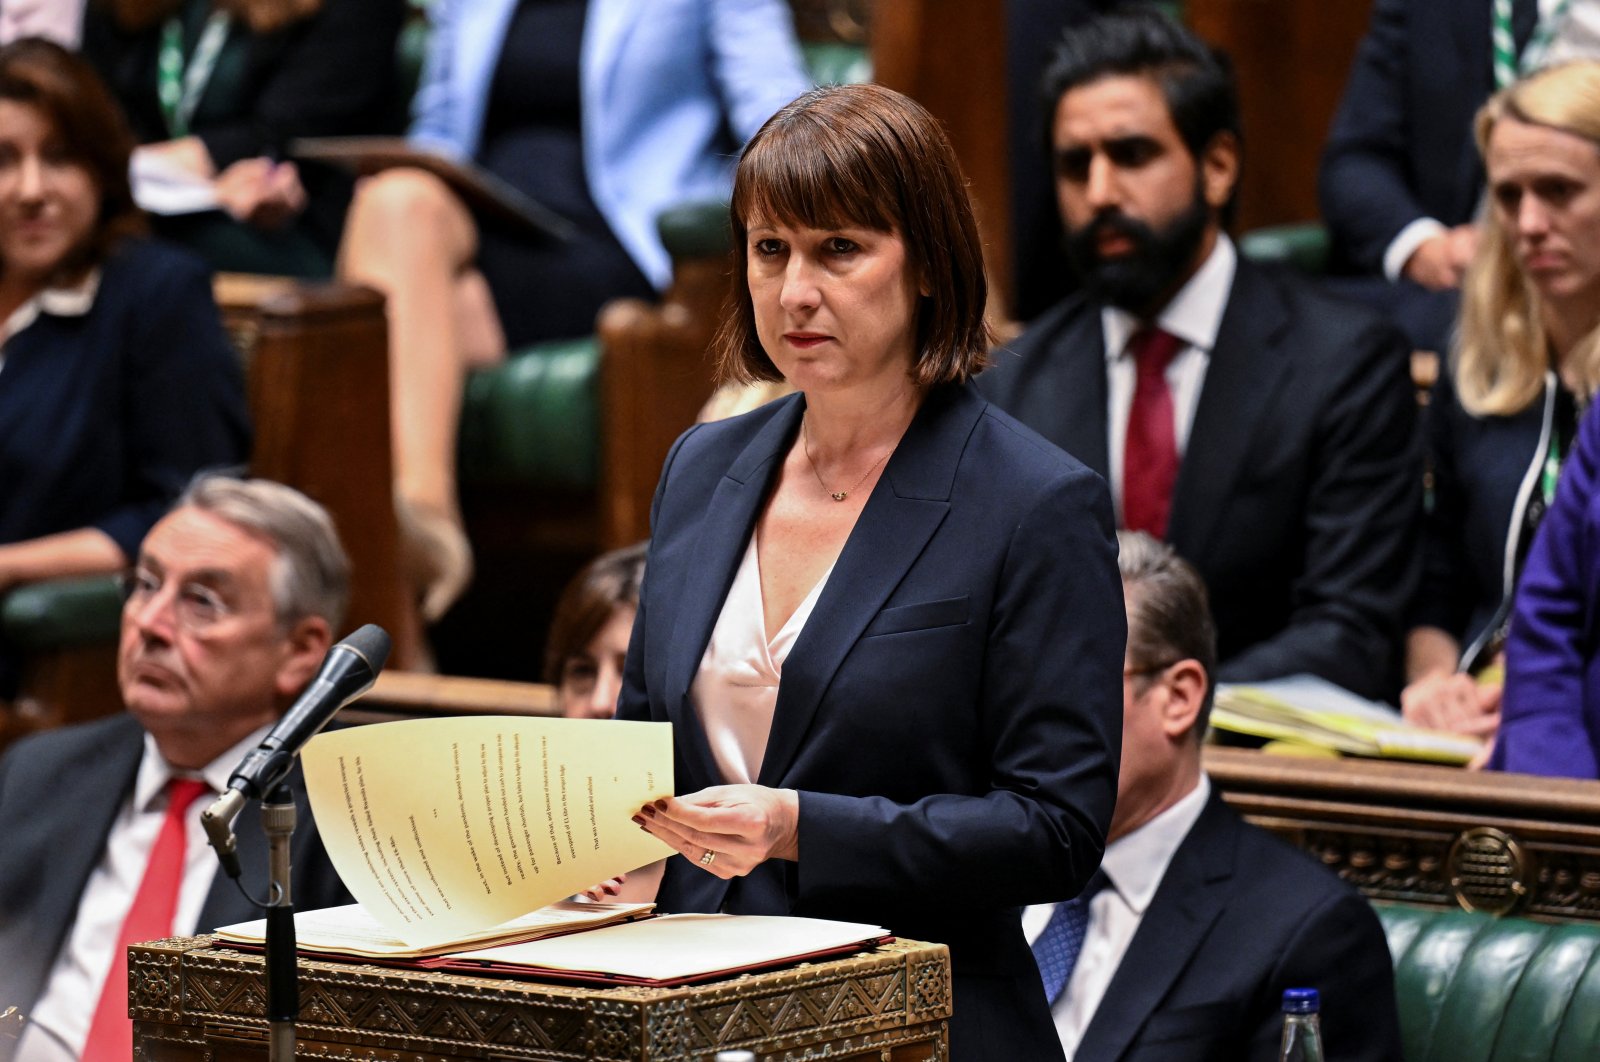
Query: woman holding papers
883,617
117,383
1504,415
604,111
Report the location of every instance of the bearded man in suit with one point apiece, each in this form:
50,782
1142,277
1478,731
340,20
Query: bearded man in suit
1264,429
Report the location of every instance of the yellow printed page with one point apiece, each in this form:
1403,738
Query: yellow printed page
443,827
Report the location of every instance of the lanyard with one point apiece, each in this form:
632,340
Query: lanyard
179,86
1551,475
1507,65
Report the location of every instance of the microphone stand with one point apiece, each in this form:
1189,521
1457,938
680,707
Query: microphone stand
283,973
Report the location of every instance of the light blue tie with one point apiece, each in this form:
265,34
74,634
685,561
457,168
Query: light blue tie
1056,949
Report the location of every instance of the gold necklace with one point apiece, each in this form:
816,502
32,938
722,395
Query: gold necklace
836,495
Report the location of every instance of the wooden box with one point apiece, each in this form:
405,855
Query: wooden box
191,1001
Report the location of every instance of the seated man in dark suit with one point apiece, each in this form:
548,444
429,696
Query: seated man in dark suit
231,608
1263,429
1197,922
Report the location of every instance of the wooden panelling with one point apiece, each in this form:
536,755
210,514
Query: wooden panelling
1292,59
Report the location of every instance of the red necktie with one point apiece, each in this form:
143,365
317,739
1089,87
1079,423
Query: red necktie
149,918
1150,452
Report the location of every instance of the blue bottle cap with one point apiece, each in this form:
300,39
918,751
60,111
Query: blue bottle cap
1301,1001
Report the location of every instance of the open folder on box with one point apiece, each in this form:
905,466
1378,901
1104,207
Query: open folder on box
620,945
459,838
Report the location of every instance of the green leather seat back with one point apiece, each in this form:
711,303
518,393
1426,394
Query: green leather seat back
534,419
1473,988
61,613
836,63
1301,244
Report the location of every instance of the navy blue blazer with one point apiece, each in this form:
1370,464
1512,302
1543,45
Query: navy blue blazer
104,418
1401,145
1238,917
59,795
1485,470
951,713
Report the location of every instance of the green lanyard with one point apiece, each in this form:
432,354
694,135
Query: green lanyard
1507,66
179,86
1552,470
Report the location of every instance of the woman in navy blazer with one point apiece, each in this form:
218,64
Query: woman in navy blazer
117,382
941,745
605,111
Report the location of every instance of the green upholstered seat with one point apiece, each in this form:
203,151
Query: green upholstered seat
61,613
1474,988
1301,244
836,62
535,418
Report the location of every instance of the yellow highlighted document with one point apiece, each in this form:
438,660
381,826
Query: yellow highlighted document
444,827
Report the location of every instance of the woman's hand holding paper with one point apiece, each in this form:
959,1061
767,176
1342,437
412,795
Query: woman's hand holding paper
728,830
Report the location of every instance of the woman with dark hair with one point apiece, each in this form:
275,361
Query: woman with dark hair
116,381
883,617
589,634
215,90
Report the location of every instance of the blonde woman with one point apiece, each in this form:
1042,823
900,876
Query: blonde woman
1525,363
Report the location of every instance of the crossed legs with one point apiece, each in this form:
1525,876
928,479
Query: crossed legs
408,236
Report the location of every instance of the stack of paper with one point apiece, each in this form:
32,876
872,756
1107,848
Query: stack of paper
449,832
353,933
1312,711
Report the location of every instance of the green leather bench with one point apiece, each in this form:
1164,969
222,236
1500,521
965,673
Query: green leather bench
1475,988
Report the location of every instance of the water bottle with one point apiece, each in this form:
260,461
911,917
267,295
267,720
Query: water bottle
1302,1032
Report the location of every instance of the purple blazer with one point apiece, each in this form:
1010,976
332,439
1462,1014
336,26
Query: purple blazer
1550,714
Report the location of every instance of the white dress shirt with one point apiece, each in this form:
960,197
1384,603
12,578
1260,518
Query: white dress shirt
1193,316
1134,866
59,1024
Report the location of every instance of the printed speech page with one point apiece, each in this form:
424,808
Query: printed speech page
444,827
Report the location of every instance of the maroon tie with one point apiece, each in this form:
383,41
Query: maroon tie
1150,452
149,918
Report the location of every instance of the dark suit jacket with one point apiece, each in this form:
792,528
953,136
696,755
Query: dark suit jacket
332,74
951,713
1485,470
1297,498
1401,144
59,794
1239,917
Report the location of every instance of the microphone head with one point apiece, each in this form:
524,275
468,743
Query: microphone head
372,644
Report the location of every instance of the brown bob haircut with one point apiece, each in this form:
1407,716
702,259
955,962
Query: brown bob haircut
71,96
864,156
607,583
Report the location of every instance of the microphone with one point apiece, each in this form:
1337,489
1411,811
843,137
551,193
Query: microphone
348,671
